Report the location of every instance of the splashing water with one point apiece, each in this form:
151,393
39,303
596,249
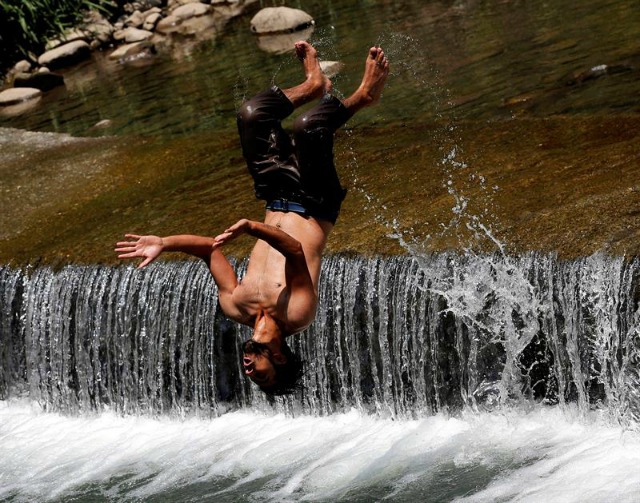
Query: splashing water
147,374
397,336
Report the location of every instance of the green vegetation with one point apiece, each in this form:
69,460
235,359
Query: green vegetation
26,25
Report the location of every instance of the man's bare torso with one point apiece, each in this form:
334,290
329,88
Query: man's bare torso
265,285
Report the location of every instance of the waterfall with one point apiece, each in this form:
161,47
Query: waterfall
395,336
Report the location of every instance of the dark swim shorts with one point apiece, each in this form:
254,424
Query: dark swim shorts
293,172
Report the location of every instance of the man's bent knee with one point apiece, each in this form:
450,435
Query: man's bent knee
249,112
307,123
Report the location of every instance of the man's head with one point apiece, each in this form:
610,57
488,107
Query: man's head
267,359
274,374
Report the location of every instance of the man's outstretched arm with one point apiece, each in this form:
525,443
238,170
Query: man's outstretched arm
150,247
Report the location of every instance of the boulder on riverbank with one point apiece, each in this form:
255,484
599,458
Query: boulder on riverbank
149,26
134,50
130,35
65,55
280,20
281,43
17,95
181,14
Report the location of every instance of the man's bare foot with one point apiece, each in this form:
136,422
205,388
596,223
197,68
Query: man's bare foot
312,70
316,83
376,70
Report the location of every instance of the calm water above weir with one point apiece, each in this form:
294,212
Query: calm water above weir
468,59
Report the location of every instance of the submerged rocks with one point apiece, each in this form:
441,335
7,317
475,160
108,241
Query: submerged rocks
331,68
42,80
280,20
280,43
180,14
134,50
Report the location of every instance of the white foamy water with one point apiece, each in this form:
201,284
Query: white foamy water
545,454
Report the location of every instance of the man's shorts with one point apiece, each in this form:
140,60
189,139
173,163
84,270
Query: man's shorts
293,172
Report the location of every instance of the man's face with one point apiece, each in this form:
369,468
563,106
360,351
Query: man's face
257,364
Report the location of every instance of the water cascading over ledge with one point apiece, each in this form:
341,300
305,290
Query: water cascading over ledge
398,336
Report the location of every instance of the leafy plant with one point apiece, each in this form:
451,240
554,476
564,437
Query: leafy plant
26,25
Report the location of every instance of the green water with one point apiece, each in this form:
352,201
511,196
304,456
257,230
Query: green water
464,59
524,115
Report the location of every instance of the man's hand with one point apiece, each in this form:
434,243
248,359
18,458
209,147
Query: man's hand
147,247
240,227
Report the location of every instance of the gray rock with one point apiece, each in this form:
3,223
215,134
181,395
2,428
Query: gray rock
22,66
190,10
132,35
203,27
281,43
151,21
135,20
44,81
181,14
132,51
119,35
65,55
168,24
17,95
280,20
172,4
68,36
100,31
153,10
331,68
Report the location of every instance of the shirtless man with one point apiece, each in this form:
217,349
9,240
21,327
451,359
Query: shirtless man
278,295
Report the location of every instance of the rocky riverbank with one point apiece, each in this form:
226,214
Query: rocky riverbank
145,28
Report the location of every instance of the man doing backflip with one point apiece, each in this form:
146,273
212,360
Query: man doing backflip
296,176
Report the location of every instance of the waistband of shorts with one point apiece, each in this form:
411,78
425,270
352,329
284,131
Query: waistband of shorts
286,205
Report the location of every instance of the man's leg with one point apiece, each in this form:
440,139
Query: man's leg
314,133
376,70
316,83
266,147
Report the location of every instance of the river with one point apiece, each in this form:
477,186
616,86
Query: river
477,338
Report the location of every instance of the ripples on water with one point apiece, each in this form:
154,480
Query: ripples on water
475,54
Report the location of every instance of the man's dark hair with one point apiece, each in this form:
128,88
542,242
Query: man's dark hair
288,374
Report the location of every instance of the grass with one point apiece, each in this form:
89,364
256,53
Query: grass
27,25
